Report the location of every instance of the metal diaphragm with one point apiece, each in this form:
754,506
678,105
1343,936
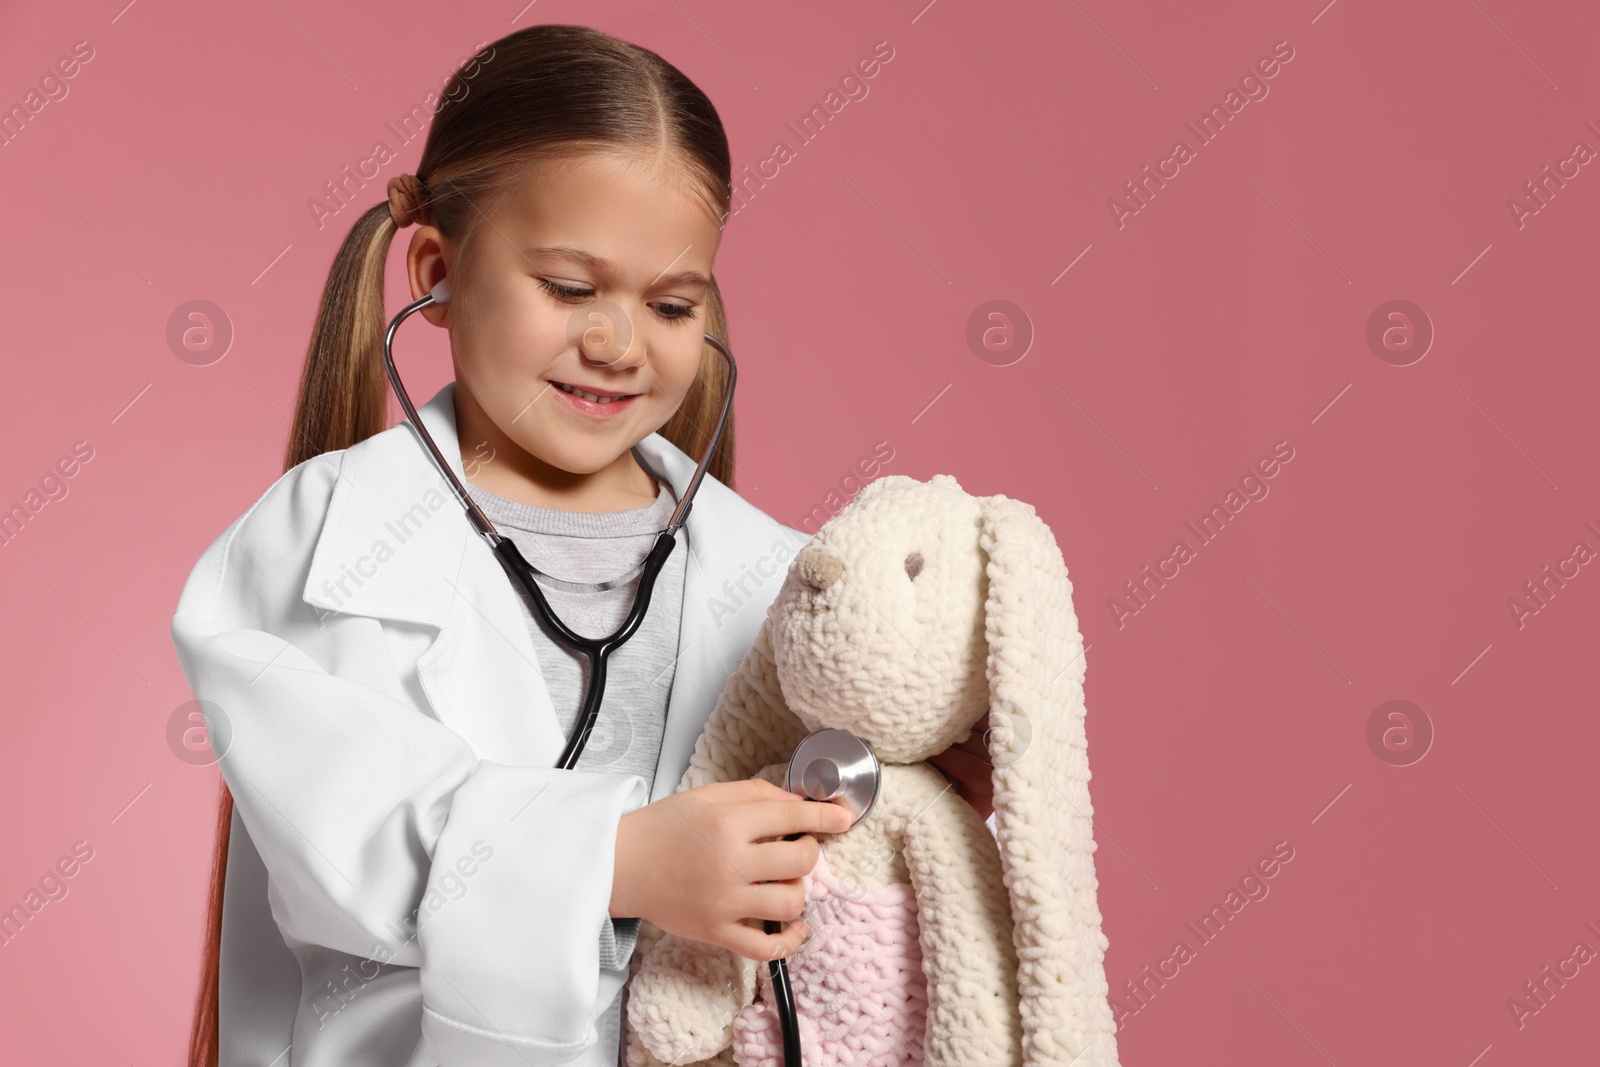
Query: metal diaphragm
836,765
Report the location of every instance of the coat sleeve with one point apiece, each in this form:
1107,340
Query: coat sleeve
384,835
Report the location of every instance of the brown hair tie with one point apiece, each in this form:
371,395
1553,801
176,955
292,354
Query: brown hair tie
407,195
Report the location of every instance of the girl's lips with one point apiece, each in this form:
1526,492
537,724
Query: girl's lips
609,410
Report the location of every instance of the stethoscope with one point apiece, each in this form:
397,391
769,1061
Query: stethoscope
827,765
596,650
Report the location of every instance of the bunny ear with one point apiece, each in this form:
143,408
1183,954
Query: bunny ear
751,726
1043,817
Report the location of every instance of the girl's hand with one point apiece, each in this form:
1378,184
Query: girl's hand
700,862
967,767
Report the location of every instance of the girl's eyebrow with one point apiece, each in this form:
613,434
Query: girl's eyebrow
603,266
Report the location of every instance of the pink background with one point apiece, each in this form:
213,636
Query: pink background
1227,715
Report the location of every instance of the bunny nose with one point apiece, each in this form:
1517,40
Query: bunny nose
818,567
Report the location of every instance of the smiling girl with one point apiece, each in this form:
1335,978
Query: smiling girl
402,876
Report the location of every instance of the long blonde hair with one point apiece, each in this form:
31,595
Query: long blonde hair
539,94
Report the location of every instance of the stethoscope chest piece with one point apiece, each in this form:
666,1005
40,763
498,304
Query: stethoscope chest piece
836,764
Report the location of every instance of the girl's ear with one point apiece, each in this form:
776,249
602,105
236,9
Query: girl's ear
751,726
427,266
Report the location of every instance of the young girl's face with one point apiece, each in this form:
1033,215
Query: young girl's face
593,276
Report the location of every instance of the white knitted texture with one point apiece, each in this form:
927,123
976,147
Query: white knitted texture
908,657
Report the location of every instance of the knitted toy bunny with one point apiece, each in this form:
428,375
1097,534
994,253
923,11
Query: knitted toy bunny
906,617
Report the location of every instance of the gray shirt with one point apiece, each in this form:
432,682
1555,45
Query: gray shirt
592,547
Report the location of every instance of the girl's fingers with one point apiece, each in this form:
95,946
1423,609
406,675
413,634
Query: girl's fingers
970,776
776,901
779,861
780,818
744,790
974,771
753,944
776,812
760,902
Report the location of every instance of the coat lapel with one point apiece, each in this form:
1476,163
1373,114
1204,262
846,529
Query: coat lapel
397,547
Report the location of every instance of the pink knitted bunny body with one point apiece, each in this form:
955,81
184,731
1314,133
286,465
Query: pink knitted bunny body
858,984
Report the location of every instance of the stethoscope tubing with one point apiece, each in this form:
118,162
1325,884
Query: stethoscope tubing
596,651
783,997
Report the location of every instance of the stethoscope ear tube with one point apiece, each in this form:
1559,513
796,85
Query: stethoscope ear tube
440,294
524,575
475,515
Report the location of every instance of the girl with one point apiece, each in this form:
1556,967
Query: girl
402,877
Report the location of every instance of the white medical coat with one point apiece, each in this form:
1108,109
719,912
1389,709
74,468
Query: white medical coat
390,745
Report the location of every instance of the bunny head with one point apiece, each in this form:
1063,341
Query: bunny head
879,626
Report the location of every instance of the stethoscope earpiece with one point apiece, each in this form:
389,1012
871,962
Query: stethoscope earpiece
440,293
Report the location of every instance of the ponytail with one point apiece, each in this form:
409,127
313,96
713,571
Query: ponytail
343,396
539,91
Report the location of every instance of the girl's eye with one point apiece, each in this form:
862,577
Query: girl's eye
675,312
565,292
664,311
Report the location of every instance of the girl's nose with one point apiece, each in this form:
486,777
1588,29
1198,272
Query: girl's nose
606,337
613,350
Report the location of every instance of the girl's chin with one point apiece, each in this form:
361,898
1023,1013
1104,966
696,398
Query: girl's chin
582,458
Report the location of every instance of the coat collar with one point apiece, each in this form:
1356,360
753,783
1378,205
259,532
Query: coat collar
384,505
396,546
